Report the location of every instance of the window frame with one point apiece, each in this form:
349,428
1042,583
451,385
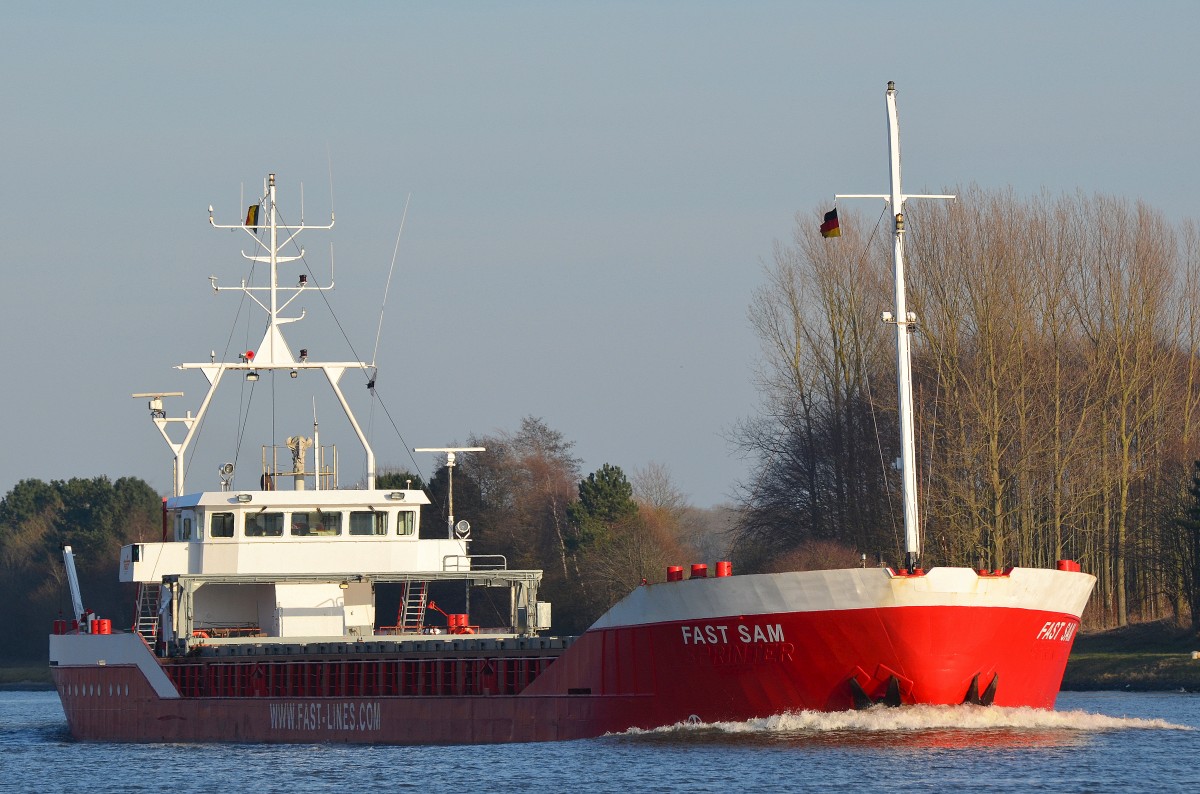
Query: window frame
378,517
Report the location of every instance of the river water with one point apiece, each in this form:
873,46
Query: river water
1096,741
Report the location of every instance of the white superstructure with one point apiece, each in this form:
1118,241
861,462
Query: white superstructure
298,557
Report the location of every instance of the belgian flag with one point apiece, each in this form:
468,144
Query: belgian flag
830,227
252,215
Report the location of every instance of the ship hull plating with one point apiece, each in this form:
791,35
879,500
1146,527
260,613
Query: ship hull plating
666,654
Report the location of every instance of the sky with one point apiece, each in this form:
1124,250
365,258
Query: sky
593,192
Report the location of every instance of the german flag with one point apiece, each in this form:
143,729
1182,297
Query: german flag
830,227
252,216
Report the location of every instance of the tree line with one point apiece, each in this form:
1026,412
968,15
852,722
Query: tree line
1057,388
595,536
96,517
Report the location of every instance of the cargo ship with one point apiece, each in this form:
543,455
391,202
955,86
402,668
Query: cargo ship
257,616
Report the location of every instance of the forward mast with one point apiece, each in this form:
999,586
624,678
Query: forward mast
906,323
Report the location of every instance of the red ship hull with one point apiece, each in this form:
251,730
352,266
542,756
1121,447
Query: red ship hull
700,651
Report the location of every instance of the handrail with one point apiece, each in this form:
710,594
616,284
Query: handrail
474,562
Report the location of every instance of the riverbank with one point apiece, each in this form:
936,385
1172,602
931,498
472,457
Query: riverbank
25,678
1143,657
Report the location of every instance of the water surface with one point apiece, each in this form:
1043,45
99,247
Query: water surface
1095,741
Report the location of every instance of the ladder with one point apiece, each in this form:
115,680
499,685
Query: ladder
145,622
411,618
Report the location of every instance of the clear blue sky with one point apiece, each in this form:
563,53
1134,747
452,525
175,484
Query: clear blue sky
595,188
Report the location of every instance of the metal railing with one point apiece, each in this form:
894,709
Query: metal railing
474,562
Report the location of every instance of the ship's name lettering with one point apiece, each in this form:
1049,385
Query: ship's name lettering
710,634
1057,630
323,716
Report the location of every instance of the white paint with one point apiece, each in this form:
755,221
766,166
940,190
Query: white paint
91,650
1063,592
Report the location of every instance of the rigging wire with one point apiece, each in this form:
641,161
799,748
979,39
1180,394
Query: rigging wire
867,383
383,305
925,495
240,425
399,435
370,372
937,392
308,267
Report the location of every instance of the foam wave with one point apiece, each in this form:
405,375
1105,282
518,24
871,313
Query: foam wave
883,720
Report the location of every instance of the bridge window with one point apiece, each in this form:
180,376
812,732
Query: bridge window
317,523
221,525
365,522
405,522
264,525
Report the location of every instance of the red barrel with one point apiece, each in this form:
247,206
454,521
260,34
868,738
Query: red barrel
674,573
724,568
60,627
699,570
105,626
1069,565
94,626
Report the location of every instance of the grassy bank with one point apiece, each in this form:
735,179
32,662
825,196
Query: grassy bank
25,678
1140,657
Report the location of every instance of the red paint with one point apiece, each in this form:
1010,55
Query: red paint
731,668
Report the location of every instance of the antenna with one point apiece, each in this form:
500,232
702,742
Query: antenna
388,286
450,458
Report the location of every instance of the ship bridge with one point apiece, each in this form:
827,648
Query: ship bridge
255,565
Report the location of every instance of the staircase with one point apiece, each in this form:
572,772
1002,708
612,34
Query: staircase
145,622
411,618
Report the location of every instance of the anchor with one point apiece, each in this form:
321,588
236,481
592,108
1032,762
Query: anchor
862,700
974,698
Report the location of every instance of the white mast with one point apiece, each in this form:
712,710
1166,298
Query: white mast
273,352
905,322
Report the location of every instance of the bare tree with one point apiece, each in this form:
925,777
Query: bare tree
1056,369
